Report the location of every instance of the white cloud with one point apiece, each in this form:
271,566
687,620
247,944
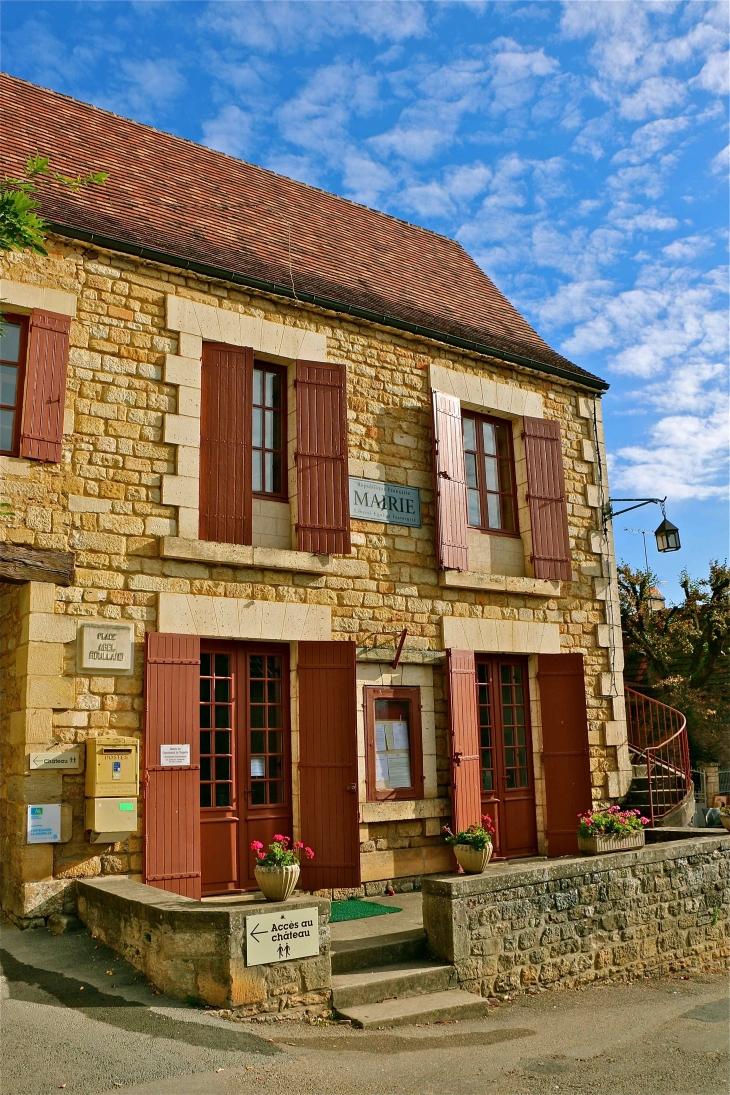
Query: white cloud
229,131
656,95
715,75
720,164
651,138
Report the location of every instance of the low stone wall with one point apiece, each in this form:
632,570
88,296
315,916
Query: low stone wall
196,951
570,921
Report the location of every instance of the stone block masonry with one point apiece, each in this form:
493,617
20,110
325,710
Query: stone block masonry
573,921
196,951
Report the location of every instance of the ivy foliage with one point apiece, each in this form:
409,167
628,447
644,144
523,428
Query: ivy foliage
20,225
681,654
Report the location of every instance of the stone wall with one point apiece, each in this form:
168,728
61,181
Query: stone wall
196,951
650,911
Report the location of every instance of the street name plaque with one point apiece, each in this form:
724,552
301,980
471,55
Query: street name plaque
106,648
276,937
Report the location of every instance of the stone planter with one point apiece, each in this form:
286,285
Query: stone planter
610,842
277,883
472,860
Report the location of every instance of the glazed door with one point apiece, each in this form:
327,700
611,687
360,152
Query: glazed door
508,785
245,785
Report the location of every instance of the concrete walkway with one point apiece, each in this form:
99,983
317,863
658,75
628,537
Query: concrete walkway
75,1018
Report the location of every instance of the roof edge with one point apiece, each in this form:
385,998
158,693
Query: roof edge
108,242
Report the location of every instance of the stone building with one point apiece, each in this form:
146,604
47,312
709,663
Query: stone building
343,499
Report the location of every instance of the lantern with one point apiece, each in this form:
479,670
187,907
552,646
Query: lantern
667,537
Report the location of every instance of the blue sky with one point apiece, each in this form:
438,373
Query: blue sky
577,150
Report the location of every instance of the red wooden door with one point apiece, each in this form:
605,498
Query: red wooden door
328,776
463,739
565,749
507,778
171,795
245,758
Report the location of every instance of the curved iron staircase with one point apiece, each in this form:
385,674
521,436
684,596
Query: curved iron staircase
659,750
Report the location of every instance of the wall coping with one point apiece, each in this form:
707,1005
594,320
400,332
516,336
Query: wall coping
512,875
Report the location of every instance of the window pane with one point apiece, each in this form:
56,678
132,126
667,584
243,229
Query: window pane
223,691
524,777
276,475
258,380
470,461
269,417
256,665
505,476
276,430
502,440
223,794
205,794
273,689
205,768
273,389
257,716
223,768
475,509
258,794
205,691
7,425
205,665
257,741
222,665
493,516
487,781
257,428
276,741
490,469
490,445
205,742
8,384
257,482
276,767
276,792
470,433
510,781
10,342
223,716
222,741
508,513
269,476
517,674
273,667
256,689
275,716
204,716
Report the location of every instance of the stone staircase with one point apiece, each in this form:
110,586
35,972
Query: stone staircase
390,981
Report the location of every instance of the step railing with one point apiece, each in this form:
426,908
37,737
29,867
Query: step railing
659,734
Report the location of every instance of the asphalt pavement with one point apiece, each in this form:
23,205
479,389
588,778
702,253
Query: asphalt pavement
75,1018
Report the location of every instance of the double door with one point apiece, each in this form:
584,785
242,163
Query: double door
507,777
245,758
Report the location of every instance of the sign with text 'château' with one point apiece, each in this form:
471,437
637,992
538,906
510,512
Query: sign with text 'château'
276,937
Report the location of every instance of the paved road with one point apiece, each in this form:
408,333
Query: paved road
73,1014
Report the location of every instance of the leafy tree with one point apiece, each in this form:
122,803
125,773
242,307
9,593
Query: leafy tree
20,225
680,653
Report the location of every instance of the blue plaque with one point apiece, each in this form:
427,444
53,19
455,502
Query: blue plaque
387,503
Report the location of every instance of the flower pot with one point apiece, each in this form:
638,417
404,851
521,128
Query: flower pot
277,883
472,860
610,842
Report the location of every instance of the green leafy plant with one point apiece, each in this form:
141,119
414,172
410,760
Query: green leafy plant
476,836
20,225
613,820
283,852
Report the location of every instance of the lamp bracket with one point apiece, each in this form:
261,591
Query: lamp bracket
609,512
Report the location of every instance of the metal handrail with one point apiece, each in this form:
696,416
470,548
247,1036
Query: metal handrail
659,733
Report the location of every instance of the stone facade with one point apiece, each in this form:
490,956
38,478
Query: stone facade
124,500
661,908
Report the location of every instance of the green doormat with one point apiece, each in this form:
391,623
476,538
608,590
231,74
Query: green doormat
355,909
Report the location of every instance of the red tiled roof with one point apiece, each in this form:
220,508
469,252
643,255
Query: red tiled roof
181,199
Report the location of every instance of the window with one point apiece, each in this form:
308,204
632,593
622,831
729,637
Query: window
216,730
490,478
266,720
393,742
269,430
12,358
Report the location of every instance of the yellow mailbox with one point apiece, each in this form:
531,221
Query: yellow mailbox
112,767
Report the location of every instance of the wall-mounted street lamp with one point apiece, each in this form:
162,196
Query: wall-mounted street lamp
667,535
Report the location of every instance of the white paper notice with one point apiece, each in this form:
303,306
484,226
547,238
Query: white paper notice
400,736
399,770
381,769
380,737
174,756
258,767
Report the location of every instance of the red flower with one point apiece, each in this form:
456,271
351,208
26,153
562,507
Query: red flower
261,855
256,845
279,837
309,853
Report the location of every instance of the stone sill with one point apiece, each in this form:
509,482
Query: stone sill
405,810
499,583
242,555
502,876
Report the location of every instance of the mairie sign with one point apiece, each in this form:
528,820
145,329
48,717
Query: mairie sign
387,503
293,933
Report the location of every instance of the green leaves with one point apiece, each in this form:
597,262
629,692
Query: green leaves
20,225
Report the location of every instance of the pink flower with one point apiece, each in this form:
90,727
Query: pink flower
261,855
309,853
297,844
279,837
256,845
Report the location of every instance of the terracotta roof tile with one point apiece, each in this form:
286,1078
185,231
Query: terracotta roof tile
182,199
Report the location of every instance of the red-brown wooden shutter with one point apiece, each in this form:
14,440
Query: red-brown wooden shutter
466,794
546,498
328,780
41,432
565,751
450,487
323,490
226,417
172,795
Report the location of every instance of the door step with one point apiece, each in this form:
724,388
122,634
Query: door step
401,980
349,955
434,1007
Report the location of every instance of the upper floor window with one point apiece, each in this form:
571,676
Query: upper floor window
269,430
12,361
490,473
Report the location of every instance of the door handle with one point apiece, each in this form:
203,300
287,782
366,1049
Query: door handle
351,787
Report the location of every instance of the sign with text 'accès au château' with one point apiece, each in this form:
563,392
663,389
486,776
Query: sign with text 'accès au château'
276,937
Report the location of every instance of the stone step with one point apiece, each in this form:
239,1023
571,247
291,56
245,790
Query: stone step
433,1008
403,979
349,955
